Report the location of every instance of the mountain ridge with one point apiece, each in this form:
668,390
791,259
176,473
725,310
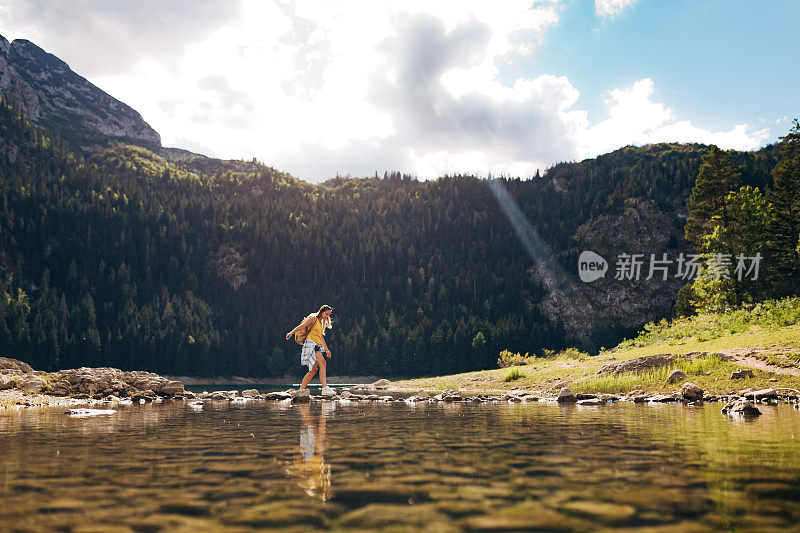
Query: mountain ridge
53,95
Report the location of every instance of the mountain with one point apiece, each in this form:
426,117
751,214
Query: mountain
135,256
55,97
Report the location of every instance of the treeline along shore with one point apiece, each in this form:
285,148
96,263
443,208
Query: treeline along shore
190,266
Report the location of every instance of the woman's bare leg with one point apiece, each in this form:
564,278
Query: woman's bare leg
322,367
309,375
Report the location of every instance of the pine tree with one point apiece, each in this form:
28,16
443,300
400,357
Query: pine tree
784,231
708,206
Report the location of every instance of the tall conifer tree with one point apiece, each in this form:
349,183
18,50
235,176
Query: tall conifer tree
784,232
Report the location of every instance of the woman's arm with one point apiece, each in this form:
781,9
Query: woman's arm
301,325
327,351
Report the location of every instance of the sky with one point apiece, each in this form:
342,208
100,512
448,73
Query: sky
320,88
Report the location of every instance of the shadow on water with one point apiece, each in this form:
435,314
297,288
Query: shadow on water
429,467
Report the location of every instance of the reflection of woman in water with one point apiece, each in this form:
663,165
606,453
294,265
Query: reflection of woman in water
309,467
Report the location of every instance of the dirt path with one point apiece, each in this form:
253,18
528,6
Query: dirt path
744,358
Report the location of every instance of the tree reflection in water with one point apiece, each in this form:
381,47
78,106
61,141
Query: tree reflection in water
308,465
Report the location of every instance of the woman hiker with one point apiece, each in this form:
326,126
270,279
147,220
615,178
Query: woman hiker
314,348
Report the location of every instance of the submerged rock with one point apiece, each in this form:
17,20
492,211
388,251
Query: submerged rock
90,412
592,401
662,398
278,396
740,407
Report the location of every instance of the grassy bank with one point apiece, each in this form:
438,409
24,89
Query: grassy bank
764,338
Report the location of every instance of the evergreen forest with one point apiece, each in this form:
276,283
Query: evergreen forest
188,266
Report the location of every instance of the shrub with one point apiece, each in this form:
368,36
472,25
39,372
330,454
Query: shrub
508,358
572,353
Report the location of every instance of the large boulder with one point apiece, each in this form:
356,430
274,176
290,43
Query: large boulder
676,375
566,396
251,393
171,388
691,392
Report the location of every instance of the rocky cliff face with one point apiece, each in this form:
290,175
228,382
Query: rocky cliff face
51,94
607,301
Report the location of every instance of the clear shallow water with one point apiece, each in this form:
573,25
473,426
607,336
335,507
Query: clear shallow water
422,467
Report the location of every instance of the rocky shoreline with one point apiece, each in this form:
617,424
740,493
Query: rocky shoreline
742,403
194,381
21,385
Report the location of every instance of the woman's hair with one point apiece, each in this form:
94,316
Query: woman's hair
326,324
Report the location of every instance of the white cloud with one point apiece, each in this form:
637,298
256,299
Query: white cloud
318,88
99,37
634,118
608,9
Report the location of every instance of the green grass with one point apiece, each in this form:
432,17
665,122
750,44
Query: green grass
514,375
768,331
770,315
698,369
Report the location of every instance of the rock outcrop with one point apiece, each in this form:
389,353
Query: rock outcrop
52,95
87,382
640,364
14,364
642,228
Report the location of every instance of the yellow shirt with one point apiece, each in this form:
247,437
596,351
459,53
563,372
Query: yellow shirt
315,333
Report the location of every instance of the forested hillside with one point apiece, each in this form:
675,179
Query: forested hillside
124,258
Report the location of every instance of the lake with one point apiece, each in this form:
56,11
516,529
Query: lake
416,467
